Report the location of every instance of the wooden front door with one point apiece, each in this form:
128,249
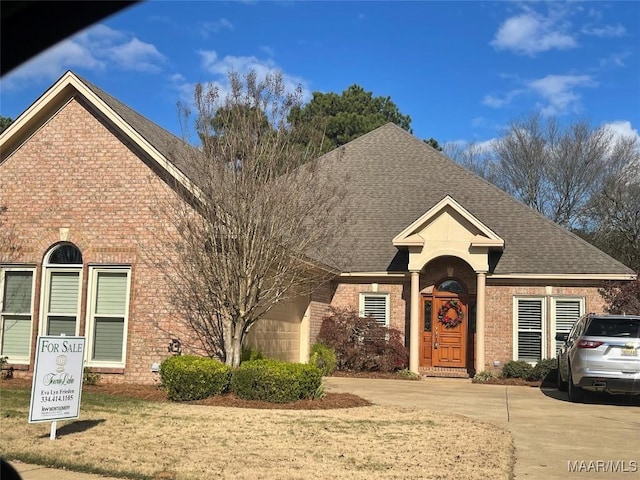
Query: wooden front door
449,343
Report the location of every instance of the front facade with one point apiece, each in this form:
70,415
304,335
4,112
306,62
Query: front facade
82,176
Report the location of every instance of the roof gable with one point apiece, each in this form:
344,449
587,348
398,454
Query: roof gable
165,149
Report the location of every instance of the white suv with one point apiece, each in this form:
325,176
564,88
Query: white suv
600,353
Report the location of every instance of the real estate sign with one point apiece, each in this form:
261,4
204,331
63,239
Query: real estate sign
57,379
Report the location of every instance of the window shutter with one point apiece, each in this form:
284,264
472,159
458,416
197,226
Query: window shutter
530,330
376,306
17,292
567,313
16,336
111,293
63,297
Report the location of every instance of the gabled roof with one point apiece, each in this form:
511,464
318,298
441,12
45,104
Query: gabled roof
162,147
393,178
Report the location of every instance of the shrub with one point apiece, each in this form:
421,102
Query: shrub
8,373
189,377
407,374
482,377
248,354
324,358
516,369
89,377
276,381
362,343
542,369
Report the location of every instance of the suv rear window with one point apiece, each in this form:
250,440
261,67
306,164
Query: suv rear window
614,327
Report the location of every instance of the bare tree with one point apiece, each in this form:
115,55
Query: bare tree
263,222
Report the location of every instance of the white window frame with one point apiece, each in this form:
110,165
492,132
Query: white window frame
386,296
543,325
16,268
46,291
89,328
553,328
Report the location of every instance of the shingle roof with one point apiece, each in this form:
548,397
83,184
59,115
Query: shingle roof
393,178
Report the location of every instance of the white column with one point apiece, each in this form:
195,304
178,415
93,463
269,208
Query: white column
480,310
414,330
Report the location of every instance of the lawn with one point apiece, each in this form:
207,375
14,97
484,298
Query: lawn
144,439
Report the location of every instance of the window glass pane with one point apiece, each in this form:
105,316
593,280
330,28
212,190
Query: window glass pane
111,293
451,286
17,292
63,296
60,325
529,346
567,313
619,327
16,336
66,255
529,315
427,316
376,307
108,339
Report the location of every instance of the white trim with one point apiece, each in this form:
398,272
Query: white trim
387,304
564,276
375,274
17,268
407,238
89,328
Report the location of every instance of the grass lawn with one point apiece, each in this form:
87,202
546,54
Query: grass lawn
134,438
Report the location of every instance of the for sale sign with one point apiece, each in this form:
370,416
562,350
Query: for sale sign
57,379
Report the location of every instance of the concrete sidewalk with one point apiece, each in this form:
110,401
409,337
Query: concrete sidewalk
37,472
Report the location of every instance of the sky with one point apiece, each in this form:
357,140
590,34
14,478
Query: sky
461,70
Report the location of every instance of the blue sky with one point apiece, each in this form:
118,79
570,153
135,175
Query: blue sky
461,70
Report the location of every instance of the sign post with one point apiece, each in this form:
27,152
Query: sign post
57,380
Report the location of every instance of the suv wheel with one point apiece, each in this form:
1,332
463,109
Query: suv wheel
576,394
562,385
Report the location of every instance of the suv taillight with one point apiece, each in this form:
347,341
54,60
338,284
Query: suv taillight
588,344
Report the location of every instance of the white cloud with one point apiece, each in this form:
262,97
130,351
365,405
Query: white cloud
494,101
623,128
615,60
530,33
220,67
96,48
559,92
616,30
207,28
136,55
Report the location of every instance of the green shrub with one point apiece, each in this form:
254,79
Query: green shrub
89,377
542,369
249,354
324,358
482,377
407,374
516,369
277,382
189,377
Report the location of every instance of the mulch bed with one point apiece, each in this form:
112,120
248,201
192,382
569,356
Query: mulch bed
156,393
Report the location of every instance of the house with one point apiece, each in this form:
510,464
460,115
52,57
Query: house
469,275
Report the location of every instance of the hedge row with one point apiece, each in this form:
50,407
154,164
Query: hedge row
189,377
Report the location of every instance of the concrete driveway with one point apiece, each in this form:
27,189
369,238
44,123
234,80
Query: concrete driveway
553,438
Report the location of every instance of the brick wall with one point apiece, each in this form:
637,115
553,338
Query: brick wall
74,173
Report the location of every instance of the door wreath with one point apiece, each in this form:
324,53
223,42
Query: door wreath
443,314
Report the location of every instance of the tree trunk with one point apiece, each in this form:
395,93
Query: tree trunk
233,339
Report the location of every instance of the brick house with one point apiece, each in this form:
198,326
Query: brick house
80,174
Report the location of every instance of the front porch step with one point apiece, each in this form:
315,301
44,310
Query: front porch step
444,372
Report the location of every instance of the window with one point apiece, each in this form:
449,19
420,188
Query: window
566,311
61,300
529,336
16,289
108,313
375,305
534,329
